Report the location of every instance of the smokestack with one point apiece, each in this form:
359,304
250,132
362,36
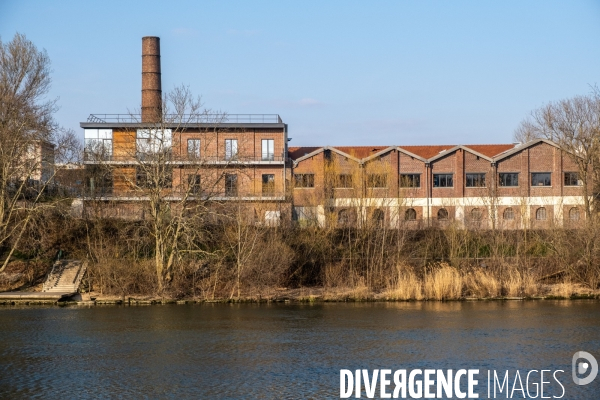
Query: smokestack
151,86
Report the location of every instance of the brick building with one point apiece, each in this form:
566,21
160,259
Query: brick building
245,159
511,186
219,157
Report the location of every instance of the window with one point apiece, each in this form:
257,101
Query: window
572,179
141,178
476,214
152,141
443,180
344,181
163,177
231,149
304,180
475,180
98,144
410,180
509,179
377,180
194,184
343,218
509,214
442,214
100,183
231,185
574,214
540,179
193,148
268,149
268,185
540,214
305,215
410,214
378,217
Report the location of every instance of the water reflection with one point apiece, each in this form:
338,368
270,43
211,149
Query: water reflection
277,351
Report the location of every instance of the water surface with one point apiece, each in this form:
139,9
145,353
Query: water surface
278,351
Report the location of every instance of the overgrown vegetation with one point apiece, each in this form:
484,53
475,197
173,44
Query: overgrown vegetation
370,262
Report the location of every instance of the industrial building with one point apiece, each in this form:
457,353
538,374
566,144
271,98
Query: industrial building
246,159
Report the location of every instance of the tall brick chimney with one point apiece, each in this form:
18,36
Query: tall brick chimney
151,86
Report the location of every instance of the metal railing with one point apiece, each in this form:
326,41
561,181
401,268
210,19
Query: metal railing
225,159
90,156
189,118
176,195
94,156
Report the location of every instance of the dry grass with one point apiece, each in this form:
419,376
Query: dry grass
443,283
481,284
564,289
406,286
358,292
518,284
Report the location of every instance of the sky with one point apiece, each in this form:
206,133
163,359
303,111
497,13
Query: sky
337,72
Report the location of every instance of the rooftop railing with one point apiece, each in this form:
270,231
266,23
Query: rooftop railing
224,159
190,119
95,157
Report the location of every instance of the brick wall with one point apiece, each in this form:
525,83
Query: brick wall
213,142
447,165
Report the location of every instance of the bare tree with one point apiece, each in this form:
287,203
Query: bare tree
68,148
242,237
27,133
574,124
526,132
173,183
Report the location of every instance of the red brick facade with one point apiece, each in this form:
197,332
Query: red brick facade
456,184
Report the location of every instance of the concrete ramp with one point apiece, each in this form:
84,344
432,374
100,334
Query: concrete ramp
65,277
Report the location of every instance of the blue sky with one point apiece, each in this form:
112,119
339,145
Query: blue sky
338,72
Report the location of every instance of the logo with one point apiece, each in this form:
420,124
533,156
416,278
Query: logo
581,367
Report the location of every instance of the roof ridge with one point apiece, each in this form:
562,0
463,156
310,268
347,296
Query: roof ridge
490,144
427,145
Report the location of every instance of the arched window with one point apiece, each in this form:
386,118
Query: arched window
442,214
509,214
378,216
476,214
410,215
574,214
343,218
540,214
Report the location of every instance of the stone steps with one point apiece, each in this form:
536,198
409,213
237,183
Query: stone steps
65,277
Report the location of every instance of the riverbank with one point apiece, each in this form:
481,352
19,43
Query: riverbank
434,282
302,295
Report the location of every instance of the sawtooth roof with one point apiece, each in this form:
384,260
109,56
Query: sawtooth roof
425,152
297,152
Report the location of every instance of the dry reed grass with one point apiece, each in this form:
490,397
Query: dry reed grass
405,286
564,289
443,283
518,284
358,292
481,284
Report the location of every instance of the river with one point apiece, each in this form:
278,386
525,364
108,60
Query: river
281,351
